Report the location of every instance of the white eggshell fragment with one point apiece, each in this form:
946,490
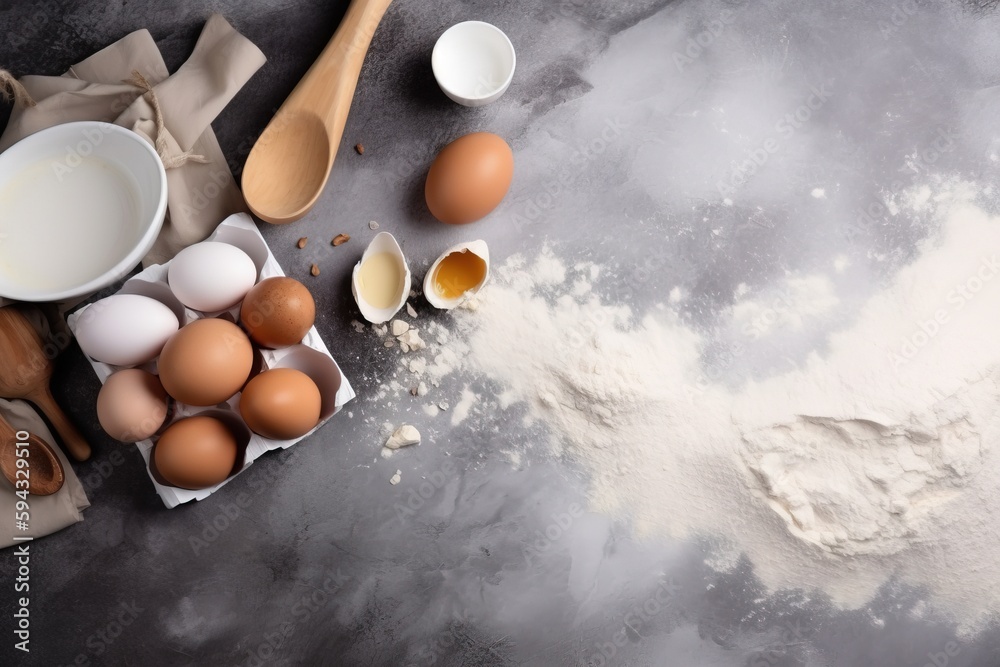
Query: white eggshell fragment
211,276
404,436
431,292
385,245
125,329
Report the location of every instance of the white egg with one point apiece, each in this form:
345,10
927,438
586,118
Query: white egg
211,276
457,275
125,329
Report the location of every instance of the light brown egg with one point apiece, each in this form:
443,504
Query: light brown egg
195,452
132,405
469,178
281,404
206,362
278,312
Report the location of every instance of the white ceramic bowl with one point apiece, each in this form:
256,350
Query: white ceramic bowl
80,205
473,63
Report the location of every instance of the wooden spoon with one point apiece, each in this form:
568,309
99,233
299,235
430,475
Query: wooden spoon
25,370
45,471
289,165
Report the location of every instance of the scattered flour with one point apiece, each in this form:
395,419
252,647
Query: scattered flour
469,398
513,457
868,459
789,306
548,269
874,457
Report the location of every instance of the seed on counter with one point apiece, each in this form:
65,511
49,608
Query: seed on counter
340,239
372,225
411,311
389,343
360,149
314,270
302,242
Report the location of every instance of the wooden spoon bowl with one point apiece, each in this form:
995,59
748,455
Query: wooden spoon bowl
289,165
45,474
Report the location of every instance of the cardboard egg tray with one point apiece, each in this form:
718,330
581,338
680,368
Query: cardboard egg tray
311,357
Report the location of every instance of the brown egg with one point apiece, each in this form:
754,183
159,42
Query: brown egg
132,405
206,362
278,312
281,404
469,178
195,452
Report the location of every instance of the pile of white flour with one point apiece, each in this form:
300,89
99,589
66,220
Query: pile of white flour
876,456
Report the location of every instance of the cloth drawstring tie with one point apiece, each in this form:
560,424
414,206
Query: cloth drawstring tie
169,161
11,89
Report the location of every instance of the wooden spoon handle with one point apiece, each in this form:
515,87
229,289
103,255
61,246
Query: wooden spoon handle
328,87
75,444
7,431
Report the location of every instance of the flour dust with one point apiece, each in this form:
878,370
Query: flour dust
876,457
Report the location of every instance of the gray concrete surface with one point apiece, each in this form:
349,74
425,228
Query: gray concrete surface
320,567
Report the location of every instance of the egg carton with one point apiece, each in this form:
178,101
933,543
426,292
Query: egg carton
311,357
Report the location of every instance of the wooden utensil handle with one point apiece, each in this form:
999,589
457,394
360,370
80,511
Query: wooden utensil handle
330,82
349,44
74,443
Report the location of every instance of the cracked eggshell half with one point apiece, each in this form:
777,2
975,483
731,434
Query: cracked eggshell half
381,280
457,275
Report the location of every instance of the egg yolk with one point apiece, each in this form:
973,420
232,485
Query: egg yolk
458,273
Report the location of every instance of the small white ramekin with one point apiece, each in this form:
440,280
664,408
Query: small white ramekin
473,63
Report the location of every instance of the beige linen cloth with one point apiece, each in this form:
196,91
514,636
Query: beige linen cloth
46,514
201,194
128,84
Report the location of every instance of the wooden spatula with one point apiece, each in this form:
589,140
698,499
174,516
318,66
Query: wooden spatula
25,371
